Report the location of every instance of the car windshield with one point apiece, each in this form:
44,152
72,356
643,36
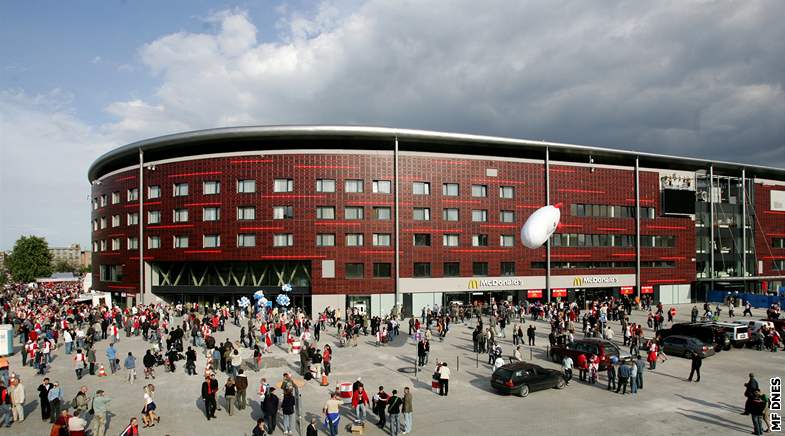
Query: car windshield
611,349
503,373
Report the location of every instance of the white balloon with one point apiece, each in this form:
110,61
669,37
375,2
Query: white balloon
540,226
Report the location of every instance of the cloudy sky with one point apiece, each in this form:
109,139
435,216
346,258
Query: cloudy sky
701,78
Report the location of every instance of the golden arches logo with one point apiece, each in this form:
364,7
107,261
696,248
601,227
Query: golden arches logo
474,284
578,281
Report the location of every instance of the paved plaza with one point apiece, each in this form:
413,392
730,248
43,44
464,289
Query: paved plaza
667,404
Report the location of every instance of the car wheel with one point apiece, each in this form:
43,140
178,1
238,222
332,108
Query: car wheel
688,354
738,345
718,348
560,384
524,392
726,347
555,358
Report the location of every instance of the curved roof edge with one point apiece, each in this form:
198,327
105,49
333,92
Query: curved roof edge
245,132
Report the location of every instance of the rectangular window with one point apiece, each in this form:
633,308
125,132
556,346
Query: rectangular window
778,242
283,185
354,239
153,242
479,215
450,214
479,240
507,216
132,194
132,219
422,269
421,188
283,240
506,192
479,190
180,241
95,203
422,239
382,270
103,222
507,240
153,217
422,214
450,189
325,240
103,200
180,189
480,269
95,247
115,220
355,270
246,186
111,273
153,191
451,269
211,214
115,244
325,185
246,240
211,241
283,212
180,215
382,213
508,268
353,186
325,213
133,243
103,245
95,225
381,239
450,239
247,213
211,187
382,187
115,197
353,213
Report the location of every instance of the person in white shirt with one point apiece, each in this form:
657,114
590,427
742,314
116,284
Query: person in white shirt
517,354
566,365
76,424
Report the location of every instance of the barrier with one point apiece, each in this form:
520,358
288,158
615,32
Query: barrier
346,390
756,300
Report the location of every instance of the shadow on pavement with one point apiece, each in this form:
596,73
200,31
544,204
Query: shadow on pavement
713,419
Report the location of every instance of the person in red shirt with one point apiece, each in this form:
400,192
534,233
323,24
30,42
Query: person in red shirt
360,402
583,366
132,429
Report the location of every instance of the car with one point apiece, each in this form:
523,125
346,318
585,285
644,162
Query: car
738,334
599,347
685,346
520,378
708,333
754,324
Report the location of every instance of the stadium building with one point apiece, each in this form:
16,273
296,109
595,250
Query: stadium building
366,216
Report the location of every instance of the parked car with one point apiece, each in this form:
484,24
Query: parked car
755,324
686,346
520,378
738,334
599,347
708,333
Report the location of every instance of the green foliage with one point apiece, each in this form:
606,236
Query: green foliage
3,277
63,266
30,259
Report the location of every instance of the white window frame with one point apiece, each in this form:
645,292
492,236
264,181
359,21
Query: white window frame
506,240
153,191
246,213
447,188
283,212
354,186
116,197
153,242
246,186
421,188
358,212
507,192
132,194
180,215
507,216
177,241
216,241
382,239
325,185
151,214
283,185
216,184
322,237
212,209
115,220
283,240
115,244
133,243
451,240
479,191
426,212
388,211
448,210
483,213
354,239
320,212
245,240
132,219
382,187
180,189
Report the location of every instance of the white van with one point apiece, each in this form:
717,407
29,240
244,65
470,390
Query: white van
754,324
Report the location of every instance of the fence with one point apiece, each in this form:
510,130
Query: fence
756,300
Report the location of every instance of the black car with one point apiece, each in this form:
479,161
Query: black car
709,334
686,346
520,378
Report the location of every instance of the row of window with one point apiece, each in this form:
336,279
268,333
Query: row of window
605,264
602,240
423,269
287,240
609,211
778,242
248,186
245,213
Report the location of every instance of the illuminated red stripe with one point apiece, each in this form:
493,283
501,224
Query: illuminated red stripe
623,254
581,191
666,281
527,206
433,230
340,167
468,250
149,203
491,180
562,170
126,178
772,257
202,251
462,201
293,196
775,212
673,258
261,228
171,226
571,255
213,203
573,226
643,200
499,226
612,229
242,161
145,258
377,251
283,257
337,223
373,203
203,173
109,254
775,234
666,227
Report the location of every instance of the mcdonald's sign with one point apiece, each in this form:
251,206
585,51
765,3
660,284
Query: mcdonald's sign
474,284
647,289
561,292
578,281
627,290
534,293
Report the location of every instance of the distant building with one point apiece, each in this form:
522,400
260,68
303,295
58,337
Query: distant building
85,258
2,260
71,255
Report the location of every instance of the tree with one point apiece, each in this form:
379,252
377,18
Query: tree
63,266
29,259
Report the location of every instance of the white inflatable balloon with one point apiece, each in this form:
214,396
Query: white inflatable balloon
540,226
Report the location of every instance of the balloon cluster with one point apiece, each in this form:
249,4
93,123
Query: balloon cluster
282,300
286,288
244,302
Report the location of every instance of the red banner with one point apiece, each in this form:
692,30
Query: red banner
558,292
647,289
626,290
534,293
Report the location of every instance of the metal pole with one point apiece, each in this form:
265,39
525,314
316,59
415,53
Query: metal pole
711,226
637,229
744,223
548,242
140,197
397,227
